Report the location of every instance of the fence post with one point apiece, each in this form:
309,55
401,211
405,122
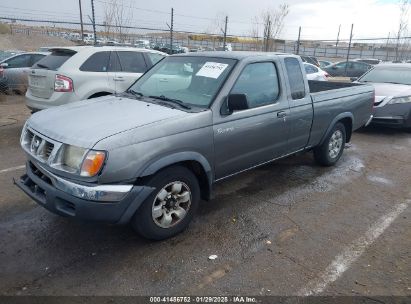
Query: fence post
298,41
81,21
349,49
338,40
94,22
225,33
171,31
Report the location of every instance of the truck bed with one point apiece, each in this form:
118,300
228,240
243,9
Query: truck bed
320,86
331,99
327,90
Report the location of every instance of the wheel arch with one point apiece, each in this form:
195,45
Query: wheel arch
99,94
194,161
347,119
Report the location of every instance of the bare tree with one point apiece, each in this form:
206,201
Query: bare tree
255,31
108,19
216,28
118,14
273,24
404,7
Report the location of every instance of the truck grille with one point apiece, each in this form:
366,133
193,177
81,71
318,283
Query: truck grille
38,146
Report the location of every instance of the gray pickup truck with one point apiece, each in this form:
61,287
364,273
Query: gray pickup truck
147,156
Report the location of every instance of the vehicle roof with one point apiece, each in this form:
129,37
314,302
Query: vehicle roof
393,65
239,55
105,47
367,59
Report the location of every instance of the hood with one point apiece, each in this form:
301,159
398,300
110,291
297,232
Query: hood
86,122
383,90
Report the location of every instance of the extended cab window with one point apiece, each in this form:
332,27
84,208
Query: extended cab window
295,78
132,62
259,81
98,62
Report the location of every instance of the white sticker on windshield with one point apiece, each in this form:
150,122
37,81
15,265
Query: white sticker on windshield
212,70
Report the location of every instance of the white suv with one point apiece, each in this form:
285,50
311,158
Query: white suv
71,74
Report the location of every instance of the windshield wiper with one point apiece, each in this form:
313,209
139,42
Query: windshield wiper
175,101
135,93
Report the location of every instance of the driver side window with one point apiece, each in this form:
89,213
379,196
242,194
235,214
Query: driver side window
259,82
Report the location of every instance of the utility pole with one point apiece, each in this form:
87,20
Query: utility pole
349,50
298,41
94,22
386,46
338,40
225,33
81,21
171,31
267,34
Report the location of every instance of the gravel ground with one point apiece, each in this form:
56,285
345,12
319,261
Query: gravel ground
288,228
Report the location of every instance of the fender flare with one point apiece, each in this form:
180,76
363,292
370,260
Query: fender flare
178,158
334,121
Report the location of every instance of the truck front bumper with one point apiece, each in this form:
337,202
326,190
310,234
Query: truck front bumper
106,203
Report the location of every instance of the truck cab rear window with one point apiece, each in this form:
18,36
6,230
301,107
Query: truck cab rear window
295,78
55,60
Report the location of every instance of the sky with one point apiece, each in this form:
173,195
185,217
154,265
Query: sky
319,19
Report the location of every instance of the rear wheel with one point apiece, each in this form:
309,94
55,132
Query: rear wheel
171,206
330,151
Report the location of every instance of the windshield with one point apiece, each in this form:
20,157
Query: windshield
193,81
388,75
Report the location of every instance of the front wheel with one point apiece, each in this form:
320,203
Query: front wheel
330,151
171,206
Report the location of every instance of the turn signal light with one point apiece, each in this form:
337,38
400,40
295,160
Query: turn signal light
93,163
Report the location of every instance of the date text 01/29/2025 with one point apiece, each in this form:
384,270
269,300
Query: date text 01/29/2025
205,299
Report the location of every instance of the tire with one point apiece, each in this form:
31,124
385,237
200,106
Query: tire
152,219
330,151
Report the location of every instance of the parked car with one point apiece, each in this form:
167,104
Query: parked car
315,73
310,59
324,63
392,83
144,44
347,69
166,48
227,48
370,61
70,74
149,155
9,53
14,71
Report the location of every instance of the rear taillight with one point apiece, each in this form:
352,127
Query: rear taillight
1,71
63,84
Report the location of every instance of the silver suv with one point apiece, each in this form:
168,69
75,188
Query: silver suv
76,73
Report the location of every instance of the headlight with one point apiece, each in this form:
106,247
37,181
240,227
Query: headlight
400,100
79,161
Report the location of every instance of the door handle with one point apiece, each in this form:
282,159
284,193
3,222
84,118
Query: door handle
118,79
281,114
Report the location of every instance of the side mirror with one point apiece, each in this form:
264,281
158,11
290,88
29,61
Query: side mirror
237,102
334,67
353,79
4,65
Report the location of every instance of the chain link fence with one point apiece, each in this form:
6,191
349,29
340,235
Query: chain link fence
37,35
385,49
